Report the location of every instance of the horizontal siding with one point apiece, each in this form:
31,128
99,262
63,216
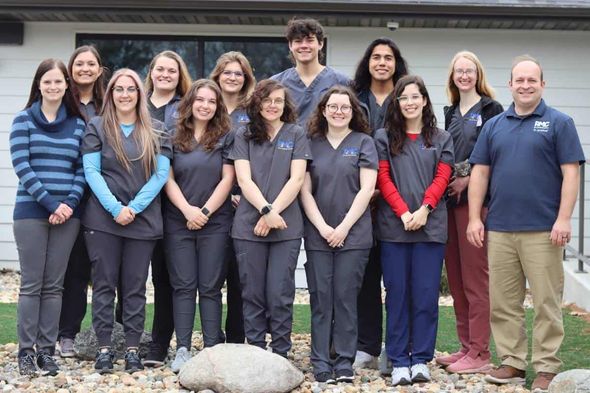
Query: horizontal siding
564,56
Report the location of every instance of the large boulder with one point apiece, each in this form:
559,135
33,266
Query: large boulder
571,381
239,368
86,343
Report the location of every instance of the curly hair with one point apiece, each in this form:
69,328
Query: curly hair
318,125
362,77
217,127
258,128
395,123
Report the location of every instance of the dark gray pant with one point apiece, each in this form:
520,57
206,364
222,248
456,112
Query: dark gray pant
197,263
334,280
43,252
117,260
267,276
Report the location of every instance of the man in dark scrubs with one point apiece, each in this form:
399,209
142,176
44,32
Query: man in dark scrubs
381,65
309,79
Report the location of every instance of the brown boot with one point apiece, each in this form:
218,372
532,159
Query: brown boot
506,374
542,381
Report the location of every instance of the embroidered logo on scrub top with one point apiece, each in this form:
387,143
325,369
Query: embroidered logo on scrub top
541,126
475,118
285,145
350,152
424,147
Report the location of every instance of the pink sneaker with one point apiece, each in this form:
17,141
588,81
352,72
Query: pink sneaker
447,360
468,365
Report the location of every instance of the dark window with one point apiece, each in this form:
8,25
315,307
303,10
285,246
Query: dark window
267,56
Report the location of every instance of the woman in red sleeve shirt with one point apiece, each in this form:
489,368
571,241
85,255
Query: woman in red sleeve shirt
415,160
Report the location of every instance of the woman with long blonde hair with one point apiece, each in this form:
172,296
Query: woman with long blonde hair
472,105
126,162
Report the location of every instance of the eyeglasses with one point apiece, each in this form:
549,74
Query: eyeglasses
333,108
468,71
266,102
236,74
407,99
129,89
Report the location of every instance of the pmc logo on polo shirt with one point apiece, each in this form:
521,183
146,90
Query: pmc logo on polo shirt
541,126
285,145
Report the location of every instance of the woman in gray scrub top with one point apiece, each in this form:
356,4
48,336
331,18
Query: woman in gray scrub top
198,215
270,157
88,75
167,81
233,74
415,160
338,231
126,159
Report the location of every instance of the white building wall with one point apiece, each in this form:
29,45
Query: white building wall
564,55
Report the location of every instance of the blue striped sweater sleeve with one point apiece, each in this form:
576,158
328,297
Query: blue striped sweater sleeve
92,165
152,188
20,144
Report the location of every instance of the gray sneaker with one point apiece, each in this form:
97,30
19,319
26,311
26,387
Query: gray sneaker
182,356
66,348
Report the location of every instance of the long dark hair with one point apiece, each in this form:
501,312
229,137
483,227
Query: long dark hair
99,85
395,122
258,127
69,100
218,126
318,125
362,77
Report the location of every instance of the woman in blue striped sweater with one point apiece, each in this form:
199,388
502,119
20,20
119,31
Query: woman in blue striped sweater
45,148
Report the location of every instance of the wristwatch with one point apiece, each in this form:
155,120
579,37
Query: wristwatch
428,207
266,209
205,211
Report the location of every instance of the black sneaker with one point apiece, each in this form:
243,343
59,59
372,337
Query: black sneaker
346,376
132,361
26,364
46,363
324,377
104,361
156,356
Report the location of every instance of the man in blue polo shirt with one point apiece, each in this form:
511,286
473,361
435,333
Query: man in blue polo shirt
528,158
309,79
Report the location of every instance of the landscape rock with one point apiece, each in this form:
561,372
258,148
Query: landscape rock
86,343
239,368
571,381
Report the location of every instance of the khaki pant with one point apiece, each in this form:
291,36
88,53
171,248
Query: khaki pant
514,258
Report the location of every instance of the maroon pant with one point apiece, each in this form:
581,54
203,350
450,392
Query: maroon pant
467,272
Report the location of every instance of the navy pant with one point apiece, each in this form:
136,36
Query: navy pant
411,274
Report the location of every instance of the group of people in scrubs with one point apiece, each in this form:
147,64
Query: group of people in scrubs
220,179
